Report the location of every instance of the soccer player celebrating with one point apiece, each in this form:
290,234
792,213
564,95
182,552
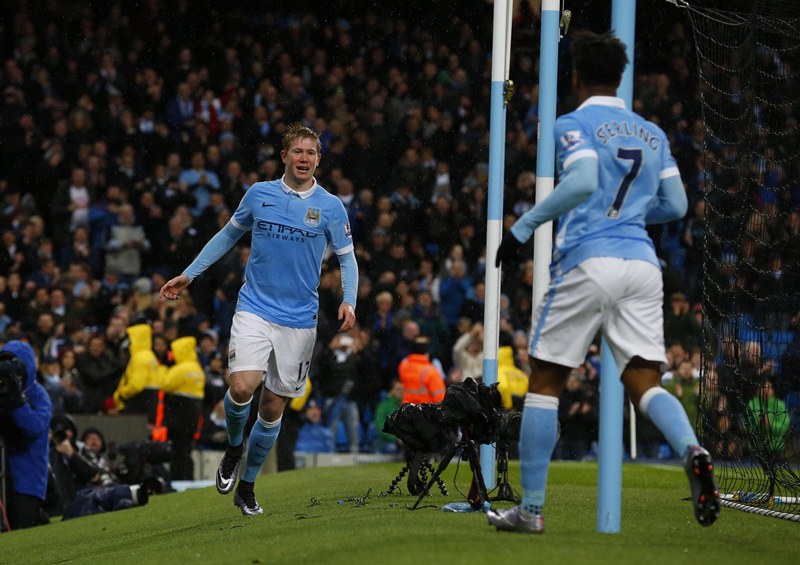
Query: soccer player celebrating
616,176
274,328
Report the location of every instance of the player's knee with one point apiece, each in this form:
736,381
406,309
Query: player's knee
242,387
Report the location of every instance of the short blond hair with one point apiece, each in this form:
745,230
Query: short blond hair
298,131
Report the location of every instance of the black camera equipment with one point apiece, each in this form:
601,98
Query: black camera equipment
139,459
59,425
12,377
469,415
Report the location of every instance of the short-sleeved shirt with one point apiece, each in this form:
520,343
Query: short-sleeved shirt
633,156
290,232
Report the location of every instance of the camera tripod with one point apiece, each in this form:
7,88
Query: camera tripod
504,491
417,466
477,494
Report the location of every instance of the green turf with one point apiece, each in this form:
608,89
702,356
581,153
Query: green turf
200,526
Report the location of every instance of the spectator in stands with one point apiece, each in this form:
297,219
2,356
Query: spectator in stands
768,422
199,182
99,372
454,290
422,382
314,436
576,416
73,395
180,114
468,353
385,332
126,246
388,443
71,206
680,325
340,370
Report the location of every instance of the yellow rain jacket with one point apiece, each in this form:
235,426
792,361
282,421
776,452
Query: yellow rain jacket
511,380
186,377
142,376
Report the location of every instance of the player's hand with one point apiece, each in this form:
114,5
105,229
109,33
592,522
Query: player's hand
508,249
347,313
172,288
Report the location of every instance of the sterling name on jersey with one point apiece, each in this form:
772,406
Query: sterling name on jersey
290,231
633,156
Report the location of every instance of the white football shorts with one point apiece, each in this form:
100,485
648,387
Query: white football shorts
622,297
284,354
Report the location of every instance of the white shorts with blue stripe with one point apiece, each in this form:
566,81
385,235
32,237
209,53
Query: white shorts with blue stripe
284,354
623,298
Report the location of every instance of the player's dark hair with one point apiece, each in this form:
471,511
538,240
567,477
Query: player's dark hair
599,59
298,131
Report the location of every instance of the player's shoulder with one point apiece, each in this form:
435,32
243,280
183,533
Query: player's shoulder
571,119
264,186
325,199
572,132
261,190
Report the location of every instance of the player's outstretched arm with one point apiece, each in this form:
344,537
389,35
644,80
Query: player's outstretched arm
172,288
577,184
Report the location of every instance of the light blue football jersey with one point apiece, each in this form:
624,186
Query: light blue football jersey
633,156
290,232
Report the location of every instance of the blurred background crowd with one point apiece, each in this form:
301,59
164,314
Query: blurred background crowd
129,135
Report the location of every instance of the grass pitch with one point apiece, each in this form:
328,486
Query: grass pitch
200,526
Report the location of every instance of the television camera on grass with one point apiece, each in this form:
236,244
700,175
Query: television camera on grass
469,415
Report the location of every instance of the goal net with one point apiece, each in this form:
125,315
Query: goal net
749,413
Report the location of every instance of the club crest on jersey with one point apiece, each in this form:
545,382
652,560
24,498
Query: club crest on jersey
313,216
571,139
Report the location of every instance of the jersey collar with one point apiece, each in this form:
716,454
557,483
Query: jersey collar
305,194
603,101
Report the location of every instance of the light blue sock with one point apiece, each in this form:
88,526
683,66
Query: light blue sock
668,415
537,439
262,438
235,417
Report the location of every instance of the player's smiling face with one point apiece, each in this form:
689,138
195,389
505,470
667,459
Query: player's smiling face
301,161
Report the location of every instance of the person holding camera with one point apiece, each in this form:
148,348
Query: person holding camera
25,412
70,470
80,485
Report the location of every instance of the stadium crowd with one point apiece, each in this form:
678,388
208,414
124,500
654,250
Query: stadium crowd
128,138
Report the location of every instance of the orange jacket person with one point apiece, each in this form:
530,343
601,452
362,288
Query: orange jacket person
421,381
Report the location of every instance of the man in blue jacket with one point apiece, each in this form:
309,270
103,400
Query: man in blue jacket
25,412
